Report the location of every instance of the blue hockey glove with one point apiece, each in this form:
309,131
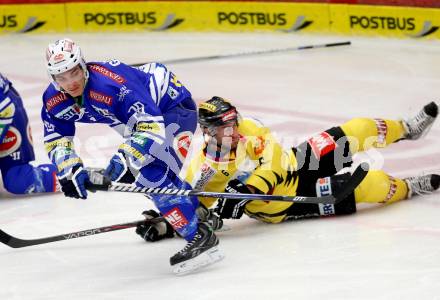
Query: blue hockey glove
118,170
233,208
74,181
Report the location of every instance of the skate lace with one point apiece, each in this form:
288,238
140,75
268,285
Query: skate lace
191,243
421,185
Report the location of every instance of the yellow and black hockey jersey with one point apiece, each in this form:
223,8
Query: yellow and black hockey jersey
259,161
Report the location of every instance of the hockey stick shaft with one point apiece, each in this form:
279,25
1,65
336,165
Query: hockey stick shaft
20,243
250,53
356,178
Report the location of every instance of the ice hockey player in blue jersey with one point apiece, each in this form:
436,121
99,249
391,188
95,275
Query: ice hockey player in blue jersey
16,150
156,116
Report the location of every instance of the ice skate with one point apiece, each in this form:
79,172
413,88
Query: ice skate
200,252
424,184
419,125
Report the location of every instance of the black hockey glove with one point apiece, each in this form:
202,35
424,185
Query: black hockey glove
73,183
154,232
232,208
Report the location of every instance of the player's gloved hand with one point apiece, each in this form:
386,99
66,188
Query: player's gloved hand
118,170
73,182
209,216
154,232
233,208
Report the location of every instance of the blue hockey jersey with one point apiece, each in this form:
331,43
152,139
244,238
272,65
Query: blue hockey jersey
128,99
15,136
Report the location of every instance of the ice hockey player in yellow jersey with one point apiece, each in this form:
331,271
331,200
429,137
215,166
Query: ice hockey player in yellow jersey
240,155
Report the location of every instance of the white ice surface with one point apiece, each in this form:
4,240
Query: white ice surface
388,252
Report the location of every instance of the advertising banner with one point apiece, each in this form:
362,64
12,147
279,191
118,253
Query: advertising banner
42,18
197,16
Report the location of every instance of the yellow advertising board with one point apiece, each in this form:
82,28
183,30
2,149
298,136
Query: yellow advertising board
221,16
197,16
42,18
385,20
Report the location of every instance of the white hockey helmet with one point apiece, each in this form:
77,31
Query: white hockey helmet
64,55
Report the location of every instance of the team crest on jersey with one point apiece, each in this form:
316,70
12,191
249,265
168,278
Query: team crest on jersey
182,143
322,144
107,73
55,100
99,97
11,142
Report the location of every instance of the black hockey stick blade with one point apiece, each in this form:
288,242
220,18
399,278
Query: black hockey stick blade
20,243
250,53
355,179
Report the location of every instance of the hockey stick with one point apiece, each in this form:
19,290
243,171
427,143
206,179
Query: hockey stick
20,243
250,53
100,183
357,177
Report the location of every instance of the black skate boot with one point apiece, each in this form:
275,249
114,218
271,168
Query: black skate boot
424,184
209,216
200,252
420,124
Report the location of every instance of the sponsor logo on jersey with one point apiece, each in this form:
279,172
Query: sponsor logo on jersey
382,130
182,143
176,218
326,209
9,111
148,127
11,142
393,189
61,143
323,187
107,73
206,173
322,144
99,97
260,145
252,18
55,100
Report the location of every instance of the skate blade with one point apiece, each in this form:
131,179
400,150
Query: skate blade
205,259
